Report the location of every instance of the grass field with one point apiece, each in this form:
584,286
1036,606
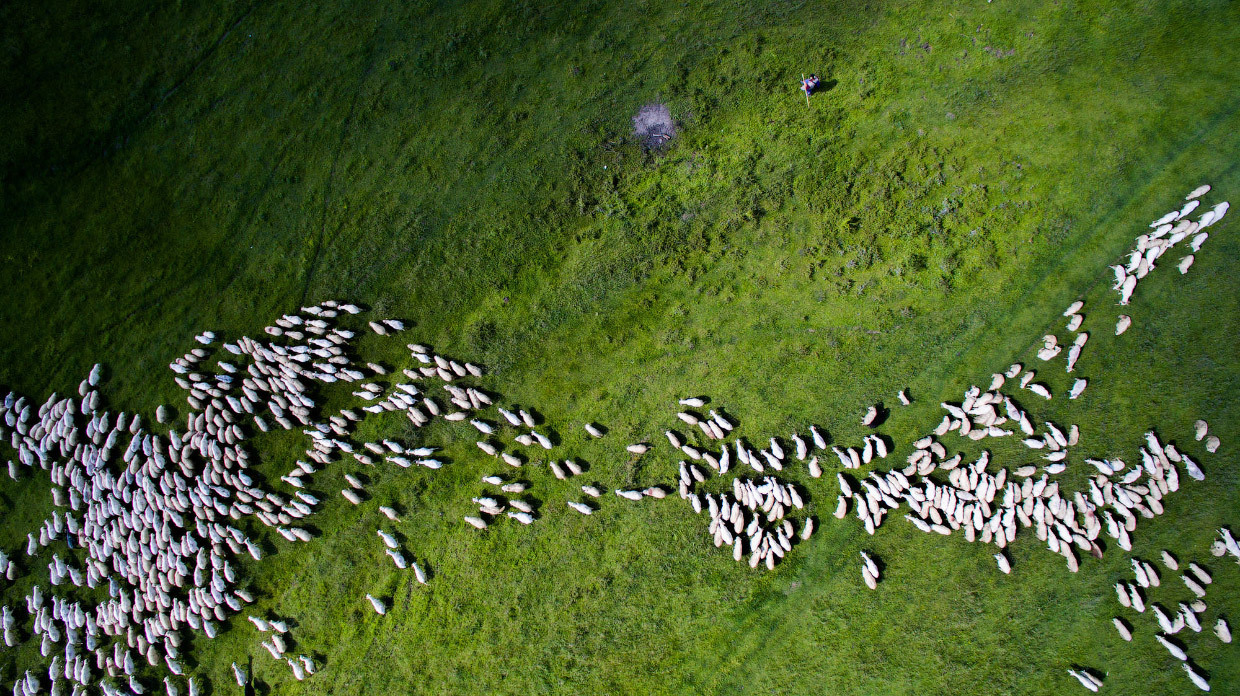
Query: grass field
970,170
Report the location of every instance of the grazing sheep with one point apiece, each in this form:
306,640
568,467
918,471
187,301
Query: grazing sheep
1175,650
1124,631
639,448
379,607
1169,561
581,507
1077,388
591,491
1212,444
903,398
593,430
870,415
1201,575
1198,192
1004,566
1196,678
1222,630
1122,324
1193,586
819,441
1073,308
1086,679
1185,264
476,522
630,495
240,675
1191,468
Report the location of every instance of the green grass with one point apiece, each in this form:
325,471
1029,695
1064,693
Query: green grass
468,166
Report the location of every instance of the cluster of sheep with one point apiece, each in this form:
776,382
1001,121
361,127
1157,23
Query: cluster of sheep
1169,230
152,515
277,645
1145,576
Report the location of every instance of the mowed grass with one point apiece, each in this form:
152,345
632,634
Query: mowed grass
970,171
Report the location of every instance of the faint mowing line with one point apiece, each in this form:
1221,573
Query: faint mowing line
331,174
124,133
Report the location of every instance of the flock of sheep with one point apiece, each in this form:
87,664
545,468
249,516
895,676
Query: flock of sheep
150,513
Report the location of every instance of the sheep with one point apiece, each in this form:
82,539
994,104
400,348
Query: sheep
870,581
581,507
1077,388
815,470
1169,561
1188,617
1193,586
1086,679
904,400
350,496
1198,192
1124,631
1040,390
1192,468
522,517
1122,324
640,448
1196,678
1212,444
688,418
476,522
1175,650
591,491
630,495
1185,263
802,451
819,441
378,605
808,529
1126,290
870,416
418,574
593,430
1222,630
240,675
1201,575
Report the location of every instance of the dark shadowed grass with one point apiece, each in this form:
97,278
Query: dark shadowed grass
468,167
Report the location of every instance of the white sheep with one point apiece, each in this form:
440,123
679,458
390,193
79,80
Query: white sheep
378,605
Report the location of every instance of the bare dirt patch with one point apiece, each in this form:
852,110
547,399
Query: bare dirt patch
653,126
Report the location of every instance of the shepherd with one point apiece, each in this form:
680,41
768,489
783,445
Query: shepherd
808,85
